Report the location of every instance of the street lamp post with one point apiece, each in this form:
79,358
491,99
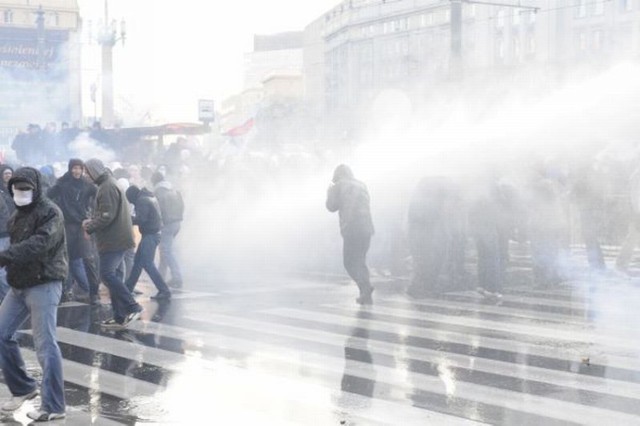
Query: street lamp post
108,37
41,61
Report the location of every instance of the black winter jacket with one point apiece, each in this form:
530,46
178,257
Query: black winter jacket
74,197
148,217
350,198
38,251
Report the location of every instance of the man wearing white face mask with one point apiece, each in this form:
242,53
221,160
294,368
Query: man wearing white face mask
36,263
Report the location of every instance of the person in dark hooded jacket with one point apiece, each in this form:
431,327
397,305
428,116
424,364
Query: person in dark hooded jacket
149,221
350,198
74,195
172,209
36,263
436,237
111,223
6,172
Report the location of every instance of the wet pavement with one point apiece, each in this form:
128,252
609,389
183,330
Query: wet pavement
301,351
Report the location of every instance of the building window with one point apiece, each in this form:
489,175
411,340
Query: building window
580,8
500,49
515,18
582,41
625,5
532,17
500,19
598,7
8,16
531,45
598,36
53,19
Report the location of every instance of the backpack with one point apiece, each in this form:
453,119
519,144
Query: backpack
171,205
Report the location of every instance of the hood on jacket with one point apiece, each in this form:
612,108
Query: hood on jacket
156,178
342,172
4,167
74,162
95,168
133,193
30,176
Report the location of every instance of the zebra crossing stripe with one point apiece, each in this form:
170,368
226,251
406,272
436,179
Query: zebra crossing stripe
482,308
558,378
580,335
543,348
521,402
222,374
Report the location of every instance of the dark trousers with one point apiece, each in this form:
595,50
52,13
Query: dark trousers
93,276
492,250
121,300
430,251
354,255
590,221
143,259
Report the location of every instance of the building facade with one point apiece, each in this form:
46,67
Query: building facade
372,45
39,63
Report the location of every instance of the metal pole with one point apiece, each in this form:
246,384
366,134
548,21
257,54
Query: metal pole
107,41
455,59
41,61
107,84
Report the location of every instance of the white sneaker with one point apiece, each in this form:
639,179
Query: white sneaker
133,316
43,416
16,401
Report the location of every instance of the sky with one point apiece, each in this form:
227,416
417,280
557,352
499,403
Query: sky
177,52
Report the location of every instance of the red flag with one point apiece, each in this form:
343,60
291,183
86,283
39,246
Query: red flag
243,129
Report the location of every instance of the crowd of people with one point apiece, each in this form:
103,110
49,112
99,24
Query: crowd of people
455,225
60,238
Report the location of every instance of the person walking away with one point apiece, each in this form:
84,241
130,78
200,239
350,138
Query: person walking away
172,210
350,198
588,193
430,236
36,263
493,219
546,227
74,195
633,234
111,223
149,222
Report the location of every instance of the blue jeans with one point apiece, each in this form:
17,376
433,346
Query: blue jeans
4,285
144,260
78,272
167,256
41,302
121,300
